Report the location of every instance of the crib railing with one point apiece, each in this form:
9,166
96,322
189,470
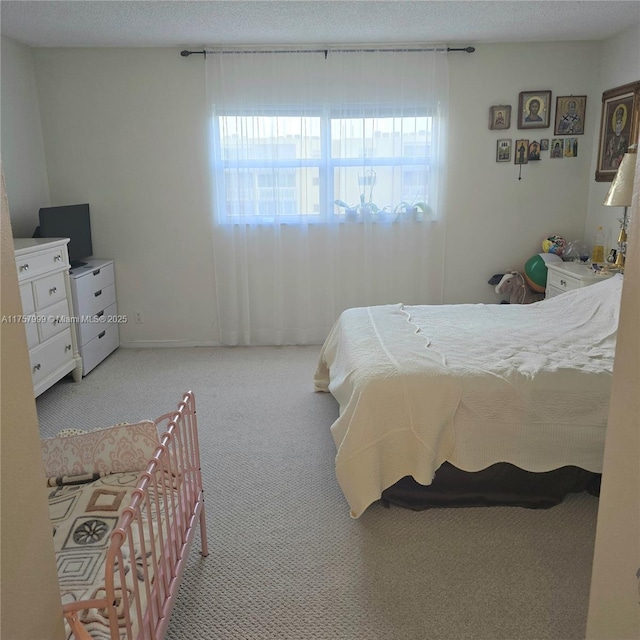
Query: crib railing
149,547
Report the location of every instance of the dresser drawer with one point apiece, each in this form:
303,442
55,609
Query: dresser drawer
561,281
51,355
49,290
55,320
32,265
87,284
100,347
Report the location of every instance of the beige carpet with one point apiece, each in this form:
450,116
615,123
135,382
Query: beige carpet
287,562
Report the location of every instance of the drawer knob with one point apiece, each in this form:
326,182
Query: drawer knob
563,283
24,267
53,290
57,258
98,293
101,335
37,367
68,348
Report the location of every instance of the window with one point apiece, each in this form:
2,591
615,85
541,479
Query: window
321,166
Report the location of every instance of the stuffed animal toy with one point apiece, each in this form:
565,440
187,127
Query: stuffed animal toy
515,286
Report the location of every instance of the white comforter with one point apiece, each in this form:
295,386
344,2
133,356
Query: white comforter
469,384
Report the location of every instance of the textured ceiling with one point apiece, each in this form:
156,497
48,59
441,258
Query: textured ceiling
150,23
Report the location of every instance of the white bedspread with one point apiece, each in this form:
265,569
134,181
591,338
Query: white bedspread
469,384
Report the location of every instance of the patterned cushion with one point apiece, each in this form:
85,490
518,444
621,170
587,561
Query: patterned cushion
121,448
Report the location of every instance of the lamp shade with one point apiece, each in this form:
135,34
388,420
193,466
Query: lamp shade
621,189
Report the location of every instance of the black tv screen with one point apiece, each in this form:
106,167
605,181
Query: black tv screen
70,221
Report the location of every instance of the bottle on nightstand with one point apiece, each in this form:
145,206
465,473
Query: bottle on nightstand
597,254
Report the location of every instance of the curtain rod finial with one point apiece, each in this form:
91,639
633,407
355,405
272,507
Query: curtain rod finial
185,53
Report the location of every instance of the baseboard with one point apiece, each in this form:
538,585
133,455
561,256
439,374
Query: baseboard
155,344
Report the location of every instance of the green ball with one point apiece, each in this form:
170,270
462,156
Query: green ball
535,271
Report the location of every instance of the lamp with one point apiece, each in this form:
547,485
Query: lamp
620,194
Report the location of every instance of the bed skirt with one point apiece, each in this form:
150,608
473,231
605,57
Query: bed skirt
501,484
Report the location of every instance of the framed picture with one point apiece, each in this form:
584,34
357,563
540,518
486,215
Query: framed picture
571,148
618,128
570,112
534,151
533,109
503,150
544,144
557,148
521,155
500,116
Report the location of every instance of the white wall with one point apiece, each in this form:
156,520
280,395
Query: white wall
496,221
124,130
22,145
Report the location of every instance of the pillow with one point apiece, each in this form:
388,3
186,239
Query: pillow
115,449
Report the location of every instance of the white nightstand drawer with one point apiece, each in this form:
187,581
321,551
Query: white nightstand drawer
99,348
94,280
561,281
568,276
87,331
98,301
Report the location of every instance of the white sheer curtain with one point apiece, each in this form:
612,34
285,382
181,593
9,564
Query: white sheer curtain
327,181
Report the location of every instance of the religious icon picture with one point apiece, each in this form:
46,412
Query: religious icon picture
557,148
618,128
534,109
544,144
503,150
534,151
500,116
571,148
570,112
521,154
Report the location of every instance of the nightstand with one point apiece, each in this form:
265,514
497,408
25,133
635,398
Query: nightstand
567,276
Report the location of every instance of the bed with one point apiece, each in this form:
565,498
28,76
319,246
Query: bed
474,394
124,504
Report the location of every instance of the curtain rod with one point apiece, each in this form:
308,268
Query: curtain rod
186,53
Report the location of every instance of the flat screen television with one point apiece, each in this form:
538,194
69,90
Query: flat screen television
70,221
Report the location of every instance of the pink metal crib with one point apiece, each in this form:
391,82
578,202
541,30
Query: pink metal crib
148,548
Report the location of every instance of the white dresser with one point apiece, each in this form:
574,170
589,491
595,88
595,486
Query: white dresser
43,276
93,290
566,276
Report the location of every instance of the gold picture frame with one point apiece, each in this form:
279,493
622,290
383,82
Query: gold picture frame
534,109
618,128
570,113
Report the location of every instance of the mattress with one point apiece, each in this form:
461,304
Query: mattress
472,385
84,515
